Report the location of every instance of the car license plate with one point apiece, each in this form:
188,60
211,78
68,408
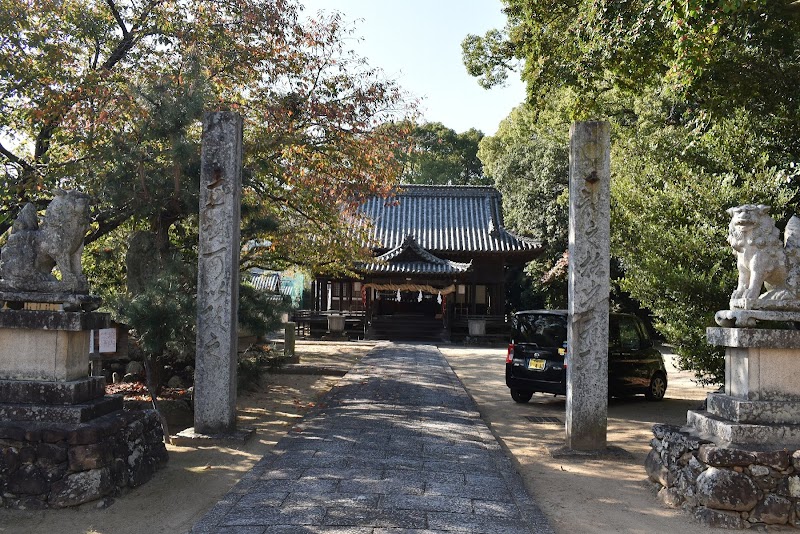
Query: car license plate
536,365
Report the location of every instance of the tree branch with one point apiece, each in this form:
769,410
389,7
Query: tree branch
129,37
117,17
107,223
13,158
285,202
96,57
121,50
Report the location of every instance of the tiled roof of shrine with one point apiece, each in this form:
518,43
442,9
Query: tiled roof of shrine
445,219
410,258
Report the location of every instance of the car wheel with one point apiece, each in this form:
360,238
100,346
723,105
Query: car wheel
657,388
521,396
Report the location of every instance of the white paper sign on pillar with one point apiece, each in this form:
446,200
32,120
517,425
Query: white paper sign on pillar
108,340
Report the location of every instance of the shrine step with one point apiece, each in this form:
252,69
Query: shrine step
406,328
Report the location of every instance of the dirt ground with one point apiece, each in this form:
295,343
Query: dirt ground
587,496
195,478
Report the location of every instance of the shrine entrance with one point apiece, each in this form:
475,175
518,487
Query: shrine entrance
440,258
408,311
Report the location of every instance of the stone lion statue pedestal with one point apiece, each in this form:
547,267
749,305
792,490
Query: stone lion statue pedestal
63,441
760,406
745,313
736,463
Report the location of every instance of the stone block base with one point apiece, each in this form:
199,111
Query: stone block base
72,413
53,320
760,364
753,411
335,336
723,486
47,346
749,435
56,465
38,392
44,355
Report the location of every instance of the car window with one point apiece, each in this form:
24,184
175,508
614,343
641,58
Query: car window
644,335
546,330
628,334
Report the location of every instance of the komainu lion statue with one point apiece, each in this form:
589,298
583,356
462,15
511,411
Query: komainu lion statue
763,261
760,255
32,250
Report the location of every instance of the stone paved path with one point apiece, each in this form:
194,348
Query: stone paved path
397,447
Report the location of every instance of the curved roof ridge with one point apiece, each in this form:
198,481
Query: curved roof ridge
442,190
428,262
528,240
410,243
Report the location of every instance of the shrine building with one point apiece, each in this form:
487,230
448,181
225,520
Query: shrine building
440,259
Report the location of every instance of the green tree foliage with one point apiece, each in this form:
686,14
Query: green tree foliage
162,317
531,170
107,96
437,155
702,98
669,225
721,52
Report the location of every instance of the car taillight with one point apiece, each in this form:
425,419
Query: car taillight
510,354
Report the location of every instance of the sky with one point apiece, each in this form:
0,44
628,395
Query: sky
418,44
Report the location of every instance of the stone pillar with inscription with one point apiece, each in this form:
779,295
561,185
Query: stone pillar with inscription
218,274
587,331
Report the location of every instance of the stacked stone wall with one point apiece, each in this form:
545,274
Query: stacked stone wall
725,487
56,465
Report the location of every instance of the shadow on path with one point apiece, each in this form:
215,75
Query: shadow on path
398,445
